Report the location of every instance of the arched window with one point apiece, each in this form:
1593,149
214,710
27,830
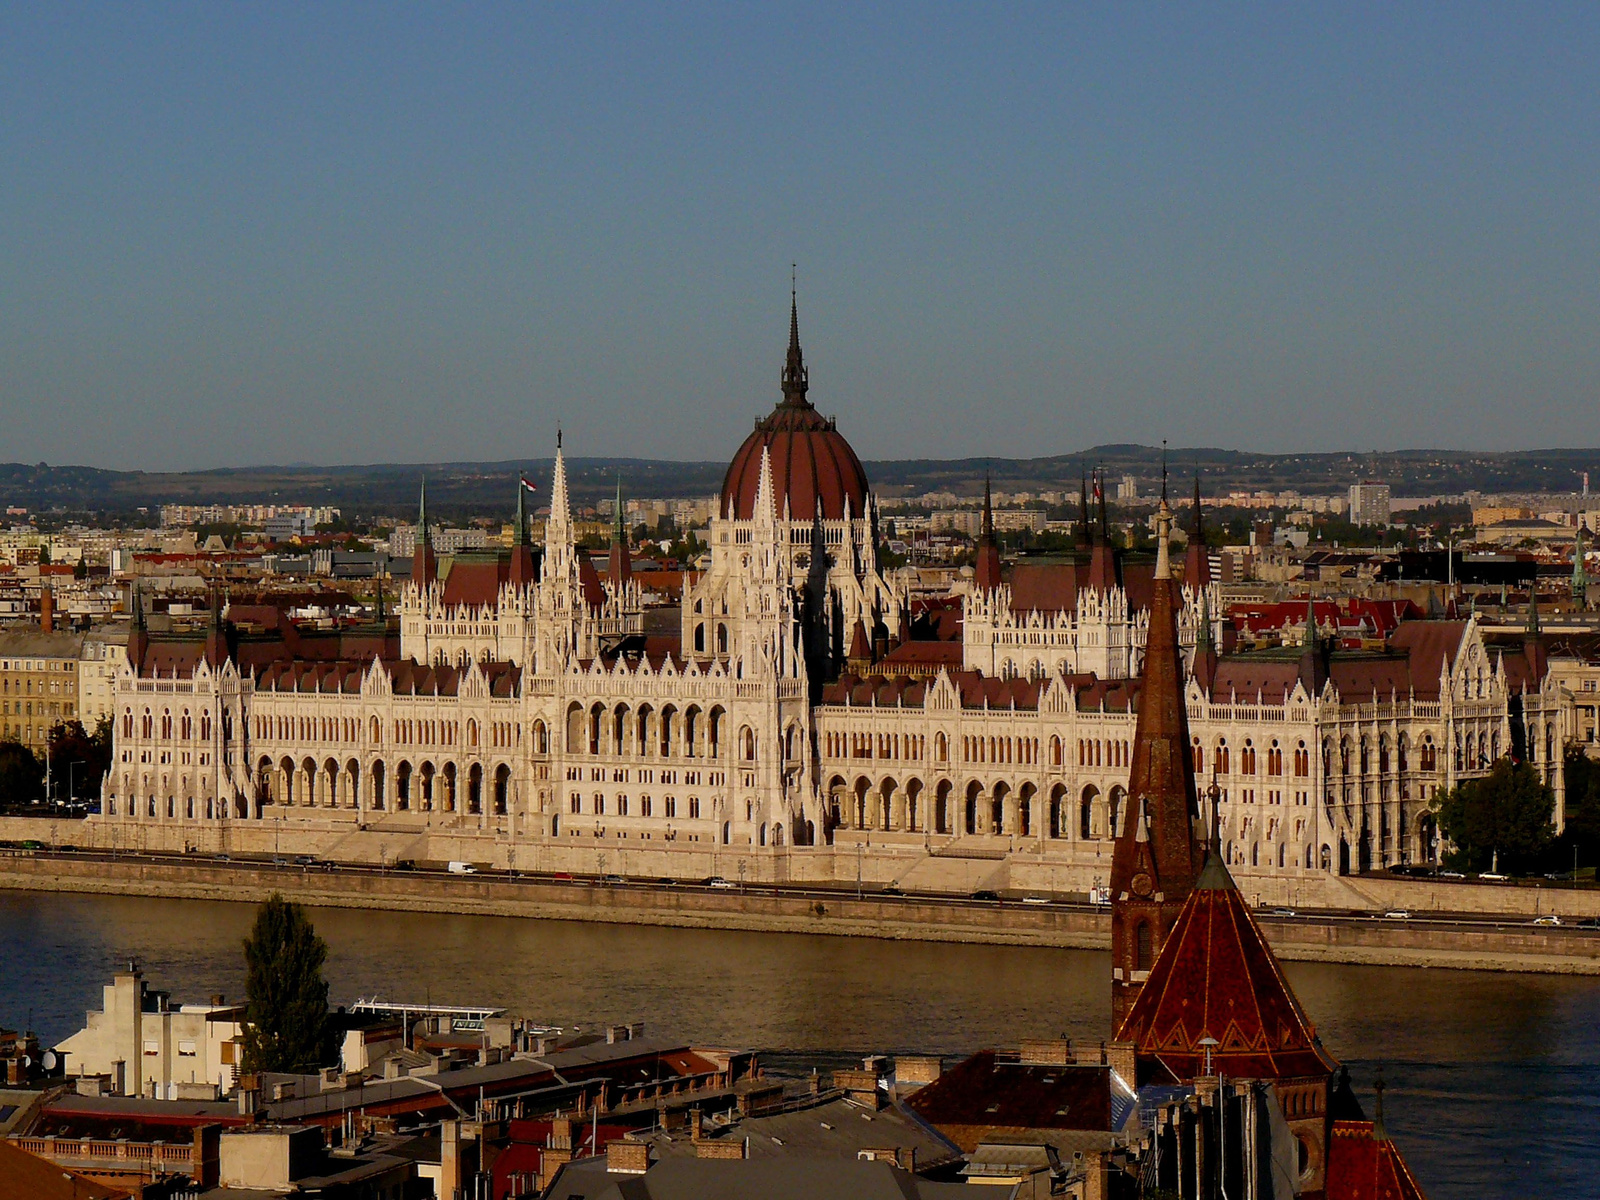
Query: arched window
1143,947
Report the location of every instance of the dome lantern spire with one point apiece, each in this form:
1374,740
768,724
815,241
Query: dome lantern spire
795,376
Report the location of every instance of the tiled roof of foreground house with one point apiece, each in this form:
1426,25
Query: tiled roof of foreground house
1217,978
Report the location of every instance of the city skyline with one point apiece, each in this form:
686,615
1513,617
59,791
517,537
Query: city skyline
246,237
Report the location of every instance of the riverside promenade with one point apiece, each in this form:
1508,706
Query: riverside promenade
1428,937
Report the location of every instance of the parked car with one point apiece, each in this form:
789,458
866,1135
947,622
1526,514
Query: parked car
1451,875
1492,877
306,860
889,889
985,894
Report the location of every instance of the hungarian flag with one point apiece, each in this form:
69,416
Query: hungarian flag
529,484
1097,492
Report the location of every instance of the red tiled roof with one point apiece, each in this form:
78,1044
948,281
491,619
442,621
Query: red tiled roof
474,582
1216,977
986,1093
1431,644
920,653
1364,1166
812,463
1245,675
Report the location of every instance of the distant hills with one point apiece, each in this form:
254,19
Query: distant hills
456,489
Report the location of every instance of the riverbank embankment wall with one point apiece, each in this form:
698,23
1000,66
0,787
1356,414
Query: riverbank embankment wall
1516,947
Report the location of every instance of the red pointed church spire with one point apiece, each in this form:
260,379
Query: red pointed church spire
1160,845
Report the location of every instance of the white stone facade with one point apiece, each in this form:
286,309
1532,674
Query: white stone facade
545,730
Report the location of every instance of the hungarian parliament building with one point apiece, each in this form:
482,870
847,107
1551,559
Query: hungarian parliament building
804,713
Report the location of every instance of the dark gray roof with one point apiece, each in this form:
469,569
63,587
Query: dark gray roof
834,1128
754,1179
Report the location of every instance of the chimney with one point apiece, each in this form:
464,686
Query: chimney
627,1158
694,1125
458,1160
47,609
561,1133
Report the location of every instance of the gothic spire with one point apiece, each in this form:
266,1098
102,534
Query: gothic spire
423,564
796,379
1151,878
519,532
1196,561
988,564
619,564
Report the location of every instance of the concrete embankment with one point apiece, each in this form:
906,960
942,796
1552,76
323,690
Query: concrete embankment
1435,943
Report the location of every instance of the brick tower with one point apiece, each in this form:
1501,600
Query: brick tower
1160,838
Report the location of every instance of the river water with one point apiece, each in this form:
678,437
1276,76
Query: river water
1492,1078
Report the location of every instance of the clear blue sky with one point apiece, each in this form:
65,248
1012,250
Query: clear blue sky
241,234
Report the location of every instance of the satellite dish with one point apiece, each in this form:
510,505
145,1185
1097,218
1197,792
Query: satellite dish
27,1061
48,1060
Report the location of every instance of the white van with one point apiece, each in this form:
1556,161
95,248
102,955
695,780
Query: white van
462,868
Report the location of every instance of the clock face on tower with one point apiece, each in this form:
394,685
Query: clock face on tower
1141,884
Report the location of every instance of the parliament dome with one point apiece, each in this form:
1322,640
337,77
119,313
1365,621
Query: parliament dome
811,460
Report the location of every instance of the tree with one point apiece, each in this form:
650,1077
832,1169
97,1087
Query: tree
21,774
286,1008
1508,811
70,743
1583,809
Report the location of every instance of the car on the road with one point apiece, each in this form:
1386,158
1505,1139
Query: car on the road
612,879
1451,875
985,894
279,860
890,889
1588,923
1551,919
305,860
1494,877
667,881
1397,914
1036,899
717,881
1284,912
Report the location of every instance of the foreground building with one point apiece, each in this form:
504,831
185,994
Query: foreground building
801,714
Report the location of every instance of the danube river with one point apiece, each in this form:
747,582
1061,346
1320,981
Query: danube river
1493,1078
